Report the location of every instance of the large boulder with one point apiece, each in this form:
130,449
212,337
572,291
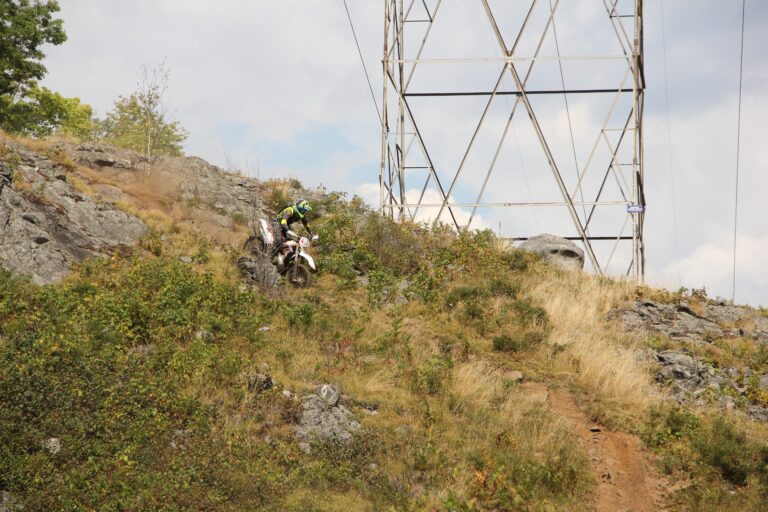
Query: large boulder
556,250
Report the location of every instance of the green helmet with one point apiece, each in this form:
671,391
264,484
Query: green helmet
303,206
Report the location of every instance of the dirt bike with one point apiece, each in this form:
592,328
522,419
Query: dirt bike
297,261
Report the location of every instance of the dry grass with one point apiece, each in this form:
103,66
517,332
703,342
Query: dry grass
597,357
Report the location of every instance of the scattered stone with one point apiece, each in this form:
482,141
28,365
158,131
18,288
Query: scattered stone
204,335
53,445
287,394
259,382
180,439
515,376
329,393
264,329
555,250
595,428
185,259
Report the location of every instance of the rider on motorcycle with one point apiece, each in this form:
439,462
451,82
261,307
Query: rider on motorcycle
288,216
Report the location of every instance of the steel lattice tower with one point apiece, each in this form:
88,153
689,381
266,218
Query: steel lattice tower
604,200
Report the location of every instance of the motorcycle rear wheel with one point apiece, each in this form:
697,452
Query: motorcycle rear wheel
299,276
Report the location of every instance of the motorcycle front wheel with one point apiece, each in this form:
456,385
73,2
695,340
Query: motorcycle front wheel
299,276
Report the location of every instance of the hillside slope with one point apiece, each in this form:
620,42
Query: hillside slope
424,370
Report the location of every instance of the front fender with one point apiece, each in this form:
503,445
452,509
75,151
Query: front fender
310,261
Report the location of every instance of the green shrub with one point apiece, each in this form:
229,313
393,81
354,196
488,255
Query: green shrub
517,343
726,448
670,423
299,316
517,260
381,287
432,374
530,314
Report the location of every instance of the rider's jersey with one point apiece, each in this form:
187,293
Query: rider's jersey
290,215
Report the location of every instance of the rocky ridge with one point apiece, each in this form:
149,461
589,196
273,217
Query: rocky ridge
689,378
49,221
47,224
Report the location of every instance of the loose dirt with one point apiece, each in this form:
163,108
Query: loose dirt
626,479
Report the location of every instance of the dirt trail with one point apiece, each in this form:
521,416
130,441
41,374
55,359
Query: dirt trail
627,481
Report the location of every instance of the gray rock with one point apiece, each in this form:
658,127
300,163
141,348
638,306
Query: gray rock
680,322
679,373
763,382
556,250
259,271
515,376
258,382
203,335
758,412
322,421
180,439
209,186
677,358
53,445
328,393
676,322
185,259
47,225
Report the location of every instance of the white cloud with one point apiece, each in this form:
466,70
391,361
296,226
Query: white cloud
711,266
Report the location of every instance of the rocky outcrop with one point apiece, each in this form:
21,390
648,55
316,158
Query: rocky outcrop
556,250
691,380
95,156
680,322
46,224
206,184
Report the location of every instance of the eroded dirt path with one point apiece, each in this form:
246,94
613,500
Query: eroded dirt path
626,479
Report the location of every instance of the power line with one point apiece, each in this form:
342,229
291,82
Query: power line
738,147
362,61
567,110
669,146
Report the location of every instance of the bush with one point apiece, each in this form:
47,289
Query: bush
726,448
432,374
517,343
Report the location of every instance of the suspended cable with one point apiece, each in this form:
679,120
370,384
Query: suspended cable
525,178
362,61
517,144
669,147
738,148
568,112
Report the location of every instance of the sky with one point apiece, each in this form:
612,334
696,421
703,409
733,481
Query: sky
276,89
